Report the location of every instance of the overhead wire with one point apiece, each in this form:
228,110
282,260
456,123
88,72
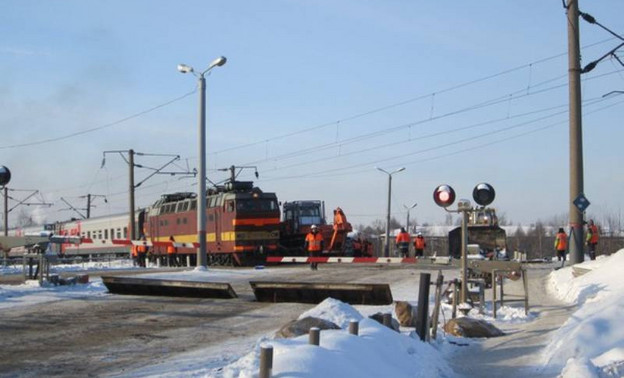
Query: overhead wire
327,172
93,129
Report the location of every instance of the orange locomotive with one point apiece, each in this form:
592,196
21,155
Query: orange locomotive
242,224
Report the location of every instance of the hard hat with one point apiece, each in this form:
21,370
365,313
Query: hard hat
313,227
420,234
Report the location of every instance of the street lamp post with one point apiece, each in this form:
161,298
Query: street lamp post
408,208
202,256
387,247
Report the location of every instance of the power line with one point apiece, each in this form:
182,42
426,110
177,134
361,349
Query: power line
93,129
398,104
341,170
495,101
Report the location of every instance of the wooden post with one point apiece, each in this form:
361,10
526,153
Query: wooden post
422,311
454,312
525,283
502,291
494,293
482,297
266,361
436,306
315,336
354,327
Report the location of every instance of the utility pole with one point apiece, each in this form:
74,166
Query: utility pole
20,202
89,198
132,232
576,132
6,211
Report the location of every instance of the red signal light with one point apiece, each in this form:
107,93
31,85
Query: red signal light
444,195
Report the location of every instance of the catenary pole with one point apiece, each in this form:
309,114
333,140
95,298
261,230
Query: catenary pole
576,132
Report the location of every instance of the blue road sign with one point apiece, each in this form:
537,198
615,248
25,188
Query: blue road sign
581,202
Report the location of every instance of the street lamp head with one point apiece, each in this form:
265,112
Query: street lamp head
217,62
400,169
184,68
382,170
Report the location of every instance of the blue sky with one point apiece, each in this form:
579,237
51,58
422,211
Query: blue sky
315,95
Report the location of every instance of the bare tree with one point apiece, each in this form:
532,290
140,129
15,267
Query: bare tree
24,219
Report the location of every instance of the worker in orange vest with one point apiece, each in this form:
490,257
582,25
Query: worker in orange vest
314,245
561,244
142,252
592,239
402,242
135,255
419,245
172,253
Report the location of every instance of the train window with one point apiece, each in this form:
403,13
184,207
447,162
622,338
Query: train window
125,232
184,221
210,217
183,206
112,234
106,234
216,201
100,234
118,233
268,205
229,206
178,221
89,234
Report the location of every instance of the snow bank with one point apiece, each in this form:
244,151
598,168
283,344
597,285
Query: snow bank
592,339
376,352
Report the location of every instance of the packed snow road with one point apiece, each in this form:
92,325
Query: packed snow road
108,334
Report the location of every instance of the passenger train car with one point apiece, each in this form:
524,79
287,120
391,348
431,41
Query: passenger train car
100,235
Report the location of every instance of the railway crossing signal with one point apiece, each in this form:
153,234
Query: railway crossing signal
483,194
5,175
444,195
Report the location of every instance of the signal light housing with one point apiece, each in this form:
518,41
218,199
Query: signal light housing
483,194
5,175
444,195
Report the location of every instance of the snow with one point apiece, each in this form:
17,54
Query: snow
593,337
589,344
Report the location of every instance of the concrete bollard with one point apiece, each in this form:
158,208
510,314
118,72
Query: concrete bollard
266,361
188,260
315,336
387,320
354,327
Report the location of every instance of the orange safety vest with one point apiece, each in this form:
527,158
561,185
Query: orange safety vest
142,249
419,242
315,241
403,237
134,251
561,241
593,229
171,250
